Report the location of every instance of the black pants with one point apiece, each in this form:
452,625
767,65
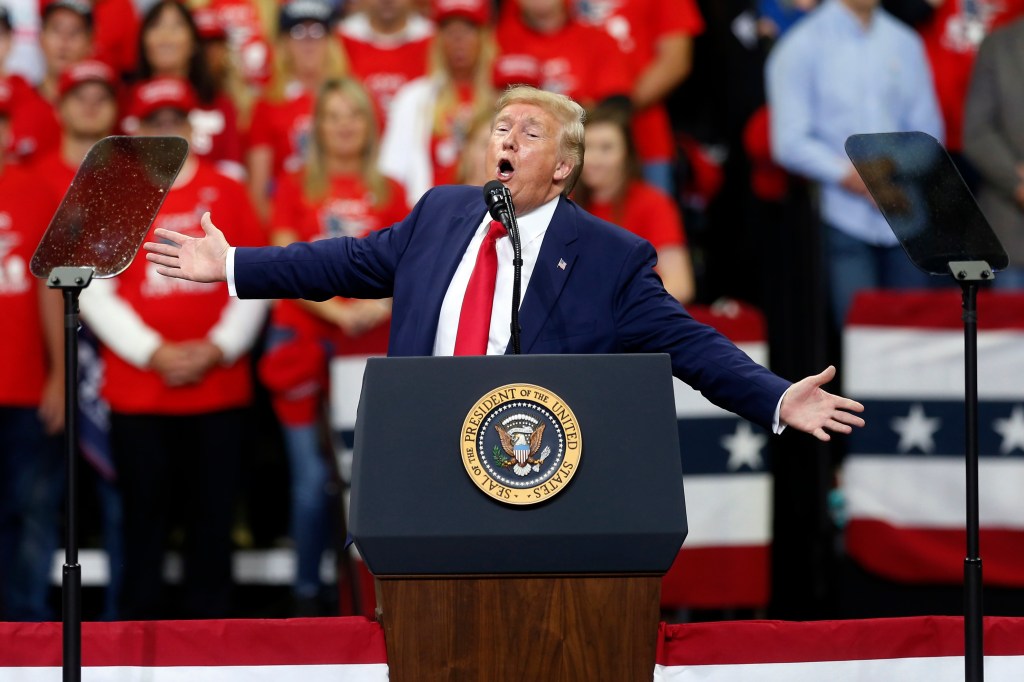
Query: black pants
178,468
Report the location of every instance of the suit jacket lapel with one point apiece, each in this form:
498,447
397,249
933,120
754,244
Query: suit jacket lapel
451,244
557,255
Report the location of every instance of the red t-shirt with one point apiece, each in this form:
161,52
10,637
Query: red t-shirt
446,148
637,26
768,180
215,134
348,211
180,310
285,128
115,35
385,65
579,61
35,128
23,220
53,177
951,40
646,212
247,38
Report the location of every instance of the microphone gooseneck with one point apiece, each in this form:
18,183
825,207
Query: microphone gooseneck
498,199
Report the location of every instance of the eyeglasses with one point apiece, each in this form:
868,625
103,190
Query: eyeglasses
310,31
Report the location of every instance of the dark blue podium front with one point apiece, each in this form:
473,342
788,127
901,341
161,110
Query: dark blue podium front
415,511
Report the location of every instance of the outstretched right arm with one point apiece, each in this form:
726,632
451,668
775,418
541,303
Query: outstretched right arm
199,259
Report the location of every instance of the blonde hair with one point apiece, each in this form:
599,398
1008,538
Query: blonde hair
316,181
566,111
447,97
267,14
282,73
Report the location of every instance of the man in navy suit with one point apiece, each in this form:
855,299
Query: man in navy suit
590,287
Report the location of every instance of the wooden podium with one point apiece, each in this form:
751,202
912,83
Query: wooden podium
472,588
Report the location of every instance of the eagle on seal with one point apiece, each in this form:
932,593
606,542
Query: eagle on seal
521,449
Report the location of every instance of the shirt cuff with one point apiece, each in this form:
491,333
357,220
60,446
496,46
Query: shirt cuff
777,425
229,272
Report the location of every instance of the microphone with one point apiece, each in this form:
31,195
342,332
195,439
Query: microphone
499,204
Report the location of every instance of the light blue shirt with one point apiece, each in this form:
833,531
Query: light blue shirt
831,77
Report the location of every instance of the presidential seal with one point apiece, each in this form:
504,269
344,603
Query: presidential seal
521,444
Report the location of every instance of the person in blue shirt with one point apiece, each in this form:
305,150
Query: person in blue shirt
849,67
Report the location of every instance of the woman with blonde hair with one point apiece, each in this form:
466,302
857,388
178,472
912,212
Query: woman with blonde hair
429,118
339,192
306,56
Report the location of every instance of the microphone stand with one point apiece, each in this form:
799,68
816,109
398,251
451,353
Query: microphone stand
517,268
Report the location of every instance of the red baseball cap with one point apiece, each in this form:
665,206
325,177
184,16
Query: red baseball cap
516,69
475,12
86,71
161,93
209,24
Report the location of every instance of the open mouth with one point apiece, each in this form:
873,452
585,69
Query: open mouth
505,169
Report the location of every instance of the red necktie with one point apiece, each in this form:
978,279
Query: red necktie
475,318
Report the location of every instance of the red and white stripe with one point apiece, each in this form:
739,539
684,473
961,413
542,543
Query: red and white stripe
310,650
928,648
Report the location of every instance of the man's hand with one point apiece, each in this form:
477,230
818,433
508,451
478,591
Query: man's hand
806,407
198,259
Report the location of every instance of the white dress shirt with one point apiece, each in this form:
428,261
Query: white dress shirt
532,228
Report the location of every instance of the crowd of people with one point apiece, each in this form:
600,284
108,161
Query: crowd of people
309,119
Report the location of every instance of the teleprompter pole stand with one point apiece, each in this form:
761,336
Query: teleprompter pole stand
96,232
969,274
936,219
71,281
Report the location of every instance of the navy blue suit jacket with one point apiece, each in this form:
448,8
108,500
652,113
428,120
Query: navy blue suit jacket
606,299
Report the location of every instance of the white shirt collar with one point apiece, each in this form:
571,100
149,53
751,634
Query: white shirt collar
532,228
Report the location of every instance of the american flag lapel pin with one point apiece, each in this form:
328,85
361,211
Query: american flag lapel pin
561,264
